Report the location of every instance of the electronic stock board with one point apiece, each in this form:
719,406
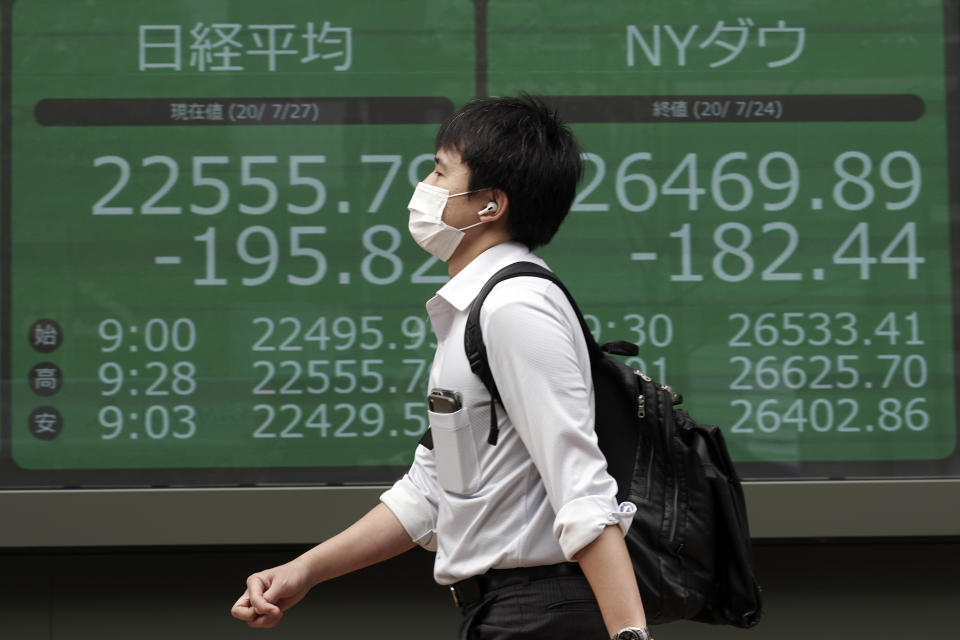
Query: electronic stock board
207,278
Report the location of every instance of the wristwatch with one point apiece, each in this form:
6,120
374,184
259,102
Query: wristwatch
633,633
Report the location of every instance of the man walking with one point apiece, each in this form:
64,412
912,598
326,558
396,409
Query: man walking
527,532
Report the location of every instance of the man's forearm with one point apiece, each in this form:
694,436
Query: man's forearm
375,537
606,563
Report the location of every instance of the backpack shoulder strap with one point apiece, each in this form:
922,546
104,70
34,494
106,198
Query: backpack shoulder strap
473,336
477,352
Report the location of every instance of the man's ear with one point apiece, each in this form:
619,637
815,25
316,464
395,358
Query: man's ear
496,207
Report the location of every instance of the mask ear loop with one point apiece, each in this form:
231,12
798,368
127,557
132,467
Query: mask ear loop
454,195
470,226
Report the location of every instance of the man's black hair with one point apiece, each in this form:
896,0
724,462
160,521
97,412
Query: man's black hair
520,146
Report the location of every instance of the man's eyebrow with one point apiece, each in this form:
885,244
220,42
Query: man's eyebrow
438,161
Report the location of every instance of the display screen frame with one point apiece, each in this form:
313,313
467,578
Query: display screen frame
12,476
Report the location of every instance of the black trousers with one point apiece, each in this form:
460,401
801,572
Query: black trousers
555,608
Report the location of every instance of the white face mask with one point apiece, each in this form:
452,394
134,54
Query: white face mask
426,223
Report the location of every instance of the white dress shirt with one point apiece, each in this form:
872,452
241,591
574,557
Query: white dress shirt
542,493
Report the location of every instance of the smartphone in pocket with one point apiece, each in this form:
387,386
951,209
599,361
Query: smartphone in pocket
444,401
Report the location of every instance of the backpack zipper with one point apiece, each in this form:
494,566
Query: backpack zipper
641,413
647,486
676,504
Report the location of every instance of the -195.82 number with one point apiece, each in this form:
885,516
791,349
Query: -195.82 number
259,246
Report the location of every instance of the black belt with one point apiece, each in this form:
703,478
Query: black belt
471,590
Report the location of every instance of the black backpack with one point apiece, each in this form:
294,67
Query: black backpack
689,541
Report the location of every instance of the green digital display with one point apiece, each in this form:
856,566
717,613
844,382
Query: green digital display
207,277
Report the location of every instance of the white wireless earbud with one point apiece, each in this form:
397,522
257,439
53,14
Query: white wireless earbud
490,208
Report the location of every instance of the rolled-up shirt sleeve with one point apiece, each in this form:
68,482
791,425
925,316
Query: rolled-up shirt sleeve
581,520
413,499
539,359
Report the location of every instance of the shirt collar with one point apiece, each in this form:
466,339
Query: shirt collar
460,290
